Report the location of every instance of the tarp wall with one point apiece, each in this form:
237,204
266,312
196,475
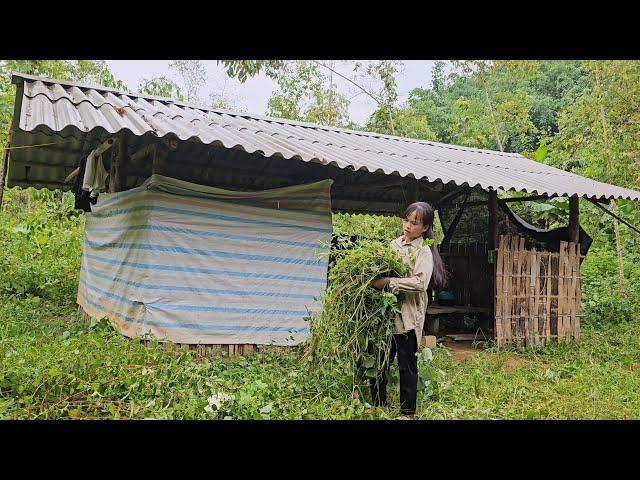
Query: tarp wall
188,263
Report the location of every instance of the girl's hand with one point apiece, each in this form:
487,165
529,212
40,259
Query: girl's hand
380,283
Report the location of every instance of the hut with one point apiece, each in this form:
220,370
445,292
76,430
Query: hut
175,158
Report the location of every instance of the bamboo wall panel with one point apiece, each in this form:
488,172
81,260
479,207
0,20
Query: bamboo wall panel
537,294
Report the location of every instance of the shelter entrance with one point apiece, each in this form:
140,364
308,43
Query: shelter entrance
509,281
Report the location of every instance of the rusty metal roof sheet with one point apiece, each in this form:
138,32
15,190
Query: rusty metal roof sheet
73,110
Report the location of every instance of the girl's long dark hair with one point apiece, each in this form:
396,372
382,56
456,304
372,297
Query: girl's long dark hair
425,214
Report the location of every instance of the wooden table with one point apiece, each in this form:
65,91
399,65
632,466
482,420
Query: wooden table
443,309
432,323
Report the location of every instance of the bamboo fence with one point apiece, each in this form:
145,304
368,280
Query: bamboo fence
537,294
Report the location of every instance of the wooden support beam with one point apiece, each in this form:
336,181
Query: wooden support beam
493,220
447,198
620,219
452,227
476,203
534,198
146,151
365,206
574,219
527,199
117,169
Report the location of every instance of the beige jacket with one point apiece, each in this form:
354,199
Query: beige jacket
412,289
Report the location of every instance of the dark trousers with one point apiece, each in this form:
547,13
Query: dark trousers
405,345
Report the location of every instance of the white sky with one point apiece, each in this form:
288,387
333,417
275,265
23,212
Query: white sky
252,96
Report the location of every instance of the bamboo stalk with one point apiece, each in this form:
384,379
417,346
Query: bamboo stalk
561,292
578,294
525,312
548,299
508,298
518,303
571,292
535,295
499,298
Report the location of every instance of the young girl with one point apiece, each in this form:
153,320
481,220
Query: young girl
425,266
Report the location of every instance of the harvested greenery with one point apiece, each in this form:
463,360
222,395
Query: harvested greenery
352,333
349,229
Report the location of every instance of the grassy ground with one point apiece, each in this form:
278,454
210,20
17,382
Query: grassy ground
53,367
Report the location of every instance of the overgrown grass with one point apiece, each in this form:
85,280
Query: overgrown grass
53,367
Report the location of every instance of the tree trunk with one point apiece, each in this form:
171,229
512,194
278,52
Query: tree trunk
614,207
616,228
493,118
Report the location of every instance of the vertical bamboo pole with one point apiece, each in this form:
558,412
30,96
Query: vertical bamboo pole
578,294
506,291
518,291
549,280
571,313
498,291
574,239
513,291
534,296
526,295
561,292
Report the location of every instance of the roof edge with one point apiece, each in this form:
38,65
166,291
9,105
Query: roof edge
15,76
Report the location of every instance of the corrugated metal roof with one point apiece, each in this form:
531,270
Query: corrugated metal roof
74,110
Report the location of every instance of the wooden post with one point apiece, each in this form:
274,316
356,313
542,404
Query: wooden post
492,246
493,219
574,219
5,164
117,172
499,296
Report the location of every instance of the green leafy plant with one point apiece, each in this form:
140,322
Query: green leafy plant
352,333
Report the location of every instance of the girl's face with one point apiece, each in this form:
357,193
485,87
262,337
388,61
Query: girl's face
412,227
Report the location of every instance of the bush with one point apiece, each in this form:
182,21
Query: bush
41,241
602,302
608,307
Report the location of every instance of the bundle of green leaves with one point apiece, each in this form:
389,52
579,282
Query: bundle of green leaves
352,334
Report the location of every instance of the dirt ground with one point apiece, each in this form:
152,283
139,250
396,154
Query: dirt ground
462,352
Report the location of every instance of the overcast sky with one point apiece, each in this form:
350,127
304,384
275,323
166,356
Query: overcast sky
252,96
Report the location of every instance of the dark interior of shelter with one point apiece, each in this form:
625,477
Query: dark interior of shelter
465,306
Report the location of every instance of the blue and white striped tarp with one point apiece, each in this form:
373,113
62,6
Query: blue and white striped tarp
188,263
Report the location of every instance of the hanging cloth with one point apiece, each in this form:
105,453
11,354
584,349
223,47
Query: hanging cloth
83,198
95,175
